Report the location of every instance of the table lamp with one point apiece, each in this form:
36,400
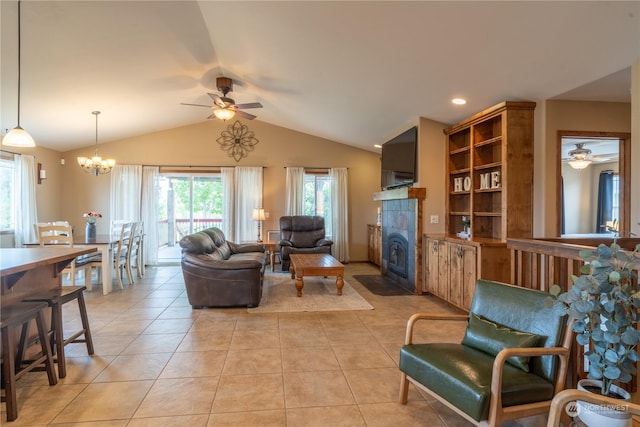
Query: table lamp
259,215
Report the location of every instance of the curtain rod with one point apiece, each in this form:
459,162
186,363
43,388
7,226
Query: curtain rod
10,152
315,167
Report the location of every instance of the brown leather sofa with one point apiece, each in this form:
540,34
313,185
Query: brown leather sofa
219,273
302,235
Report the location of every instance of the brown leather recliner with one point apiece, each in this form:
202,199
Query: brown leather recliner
302,235
219,273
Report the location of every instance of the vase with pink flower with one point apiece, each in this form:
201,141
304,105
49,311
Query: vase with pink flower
90,228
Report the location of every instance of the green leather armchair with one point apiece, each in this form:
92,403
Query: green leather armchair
512,361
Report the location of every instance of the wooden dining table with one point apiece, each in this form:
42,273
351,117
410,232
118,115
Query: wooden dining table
105,243
26,271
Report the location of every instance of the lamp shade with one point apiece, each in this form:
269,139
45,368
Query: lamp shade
224,113
579,163
18,137
259,215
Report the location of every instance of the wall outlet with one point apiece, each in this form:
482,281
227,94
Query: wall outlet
435,219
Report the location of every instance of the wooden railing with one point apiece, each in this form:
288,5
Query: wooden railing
171,232
541,263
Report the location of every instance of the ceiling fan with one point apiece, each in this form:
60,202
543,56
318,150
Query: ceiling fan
581,157
225,108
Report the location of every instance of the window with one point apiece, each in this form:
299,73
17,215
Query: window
317,197
615,203
187,204
7,185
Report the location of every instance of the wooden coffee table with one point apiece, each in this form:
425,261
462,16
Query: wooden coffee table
316,265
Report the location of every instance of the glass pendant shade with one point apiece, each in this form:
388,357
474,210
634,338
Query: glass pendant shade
18,137
224,113
579,163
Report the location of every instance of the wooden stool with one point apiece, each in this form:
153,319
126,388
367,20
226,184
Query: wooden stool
20,315
55,298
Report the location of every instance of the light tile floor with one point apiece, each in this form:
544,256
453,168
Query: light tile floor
157,362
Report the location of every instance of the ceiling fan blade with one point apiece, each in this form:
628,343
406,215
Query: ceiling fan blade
245,115
212,116
249,105
196,105
216,100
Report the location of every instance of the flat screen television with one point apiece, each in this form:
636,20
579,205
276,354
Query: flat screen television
399,160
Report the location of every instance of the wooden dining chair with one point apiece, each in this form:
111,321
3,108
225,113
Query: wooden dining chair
121,254
60,234
134,260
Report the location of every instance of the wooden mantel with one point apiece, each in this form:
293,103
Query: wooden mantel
401,193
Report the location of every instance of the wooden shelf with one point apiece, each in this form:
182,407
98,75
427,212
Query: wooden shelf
489,141
459,171
496,214
488,190
459,151
487,166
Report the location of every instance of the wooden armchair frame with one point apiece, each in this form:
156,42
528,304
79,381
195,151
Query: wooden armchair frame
497,412
561,399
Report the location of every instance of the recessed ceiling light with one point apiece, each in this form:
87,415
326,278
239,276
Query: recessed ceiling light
378,146
459,101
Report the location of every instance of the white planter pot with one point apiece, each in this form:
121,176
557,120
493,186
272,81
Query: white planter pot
594,415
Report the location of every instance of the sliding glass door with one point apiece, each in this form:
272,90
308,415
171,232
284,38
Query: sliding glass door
187,203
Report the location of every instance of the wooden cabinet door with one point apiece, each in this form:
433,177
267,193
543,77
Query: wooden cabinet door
469,275
437,267
374,236
462,277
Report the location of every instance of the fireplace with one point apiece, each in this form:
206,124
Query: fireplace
399,228
401,236
398,253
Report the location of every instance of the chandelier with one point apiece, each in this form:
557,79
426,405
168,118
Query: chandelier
18,137
95,164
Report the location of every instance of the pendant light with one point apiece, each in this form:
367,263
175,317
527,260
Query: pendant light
95,165
18,137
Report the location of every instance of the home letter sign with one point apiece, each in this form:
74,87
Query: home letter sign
457,184
467,183
495,179
484,181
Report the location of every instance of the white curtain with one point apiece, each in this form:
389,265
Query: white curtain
339,214
248,197
228,178
25,200
126,187
294,189
149,214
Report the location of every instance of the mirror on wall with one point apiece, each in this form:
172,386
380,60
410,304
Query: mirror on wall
592,184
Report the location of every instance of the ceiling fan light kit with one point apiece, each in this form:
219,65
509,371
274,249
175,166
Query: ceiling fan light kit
580,157
96,165
225,108
579,164
18,137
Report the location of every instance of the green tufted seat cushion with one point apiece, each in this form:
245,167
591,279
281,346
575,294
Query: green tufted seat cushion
462,376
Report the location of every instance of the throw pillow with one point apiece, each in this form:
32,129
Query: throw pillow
491,338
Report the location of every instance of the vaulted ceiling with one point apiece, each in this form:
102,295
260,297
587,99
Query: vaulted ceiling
354,72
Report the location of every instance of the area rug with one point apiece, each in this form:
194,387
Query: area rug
318,294
380,285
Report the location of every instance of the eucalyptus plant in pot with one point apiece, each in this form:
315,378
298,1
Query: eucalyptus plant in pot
604,303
